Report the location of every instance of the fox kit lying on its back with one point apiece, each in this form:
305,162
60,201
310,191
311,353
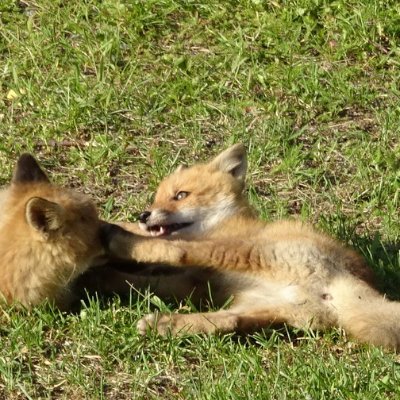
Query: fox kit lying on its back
48,236
282,272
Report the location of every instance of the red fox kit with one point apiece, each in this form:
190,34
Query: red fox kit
281,272
48,236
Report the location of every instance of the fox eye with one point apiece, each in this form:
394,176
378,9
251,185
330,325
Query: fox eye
181,195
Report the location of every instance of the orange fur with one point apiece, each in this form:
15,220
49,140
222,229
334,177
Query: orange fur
48,237
284,271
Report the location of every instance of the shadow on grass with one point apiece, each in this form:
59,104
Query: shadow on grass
384,259
382,256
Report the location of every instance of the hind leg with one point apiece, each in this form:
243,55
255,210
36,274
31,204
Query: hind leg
365,314
380,327
239,320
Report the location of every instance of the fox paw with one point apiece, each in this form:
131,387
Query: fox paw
162,323
113,238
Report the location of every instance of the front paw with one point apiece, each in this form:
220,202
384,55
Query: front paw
114,239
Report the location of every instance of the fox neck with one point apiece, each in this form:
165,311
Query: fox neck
232,221
238,224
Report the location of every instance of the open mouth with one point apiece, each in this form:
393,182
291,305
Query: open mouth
163,230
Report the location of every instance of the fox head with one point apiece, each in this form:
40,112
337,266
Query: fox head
45,226
194,200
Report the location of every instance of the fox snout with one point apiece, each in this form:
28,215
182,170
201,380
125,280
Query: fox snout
144,216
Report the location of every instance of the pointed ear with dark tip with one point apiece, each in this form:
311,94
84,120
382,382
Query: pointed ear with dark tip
28,170
233,161
43,215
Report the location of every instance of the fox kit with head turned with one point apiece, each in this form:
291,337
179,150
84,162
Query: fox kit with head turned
281,272
48,236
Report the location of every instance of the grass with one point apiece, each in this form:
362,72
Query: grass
112,95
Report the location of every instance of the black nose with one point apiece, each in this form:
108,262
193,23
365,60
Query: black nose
144,216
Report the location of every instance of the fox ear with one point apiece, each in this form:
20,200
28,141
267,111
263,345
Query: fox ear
28,170
233,161
43,215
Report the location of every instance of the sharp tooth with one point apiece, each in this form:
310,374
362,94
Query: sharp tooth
162,230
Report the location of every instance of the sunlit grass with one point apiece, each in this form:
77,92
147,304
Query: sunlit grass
112,95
